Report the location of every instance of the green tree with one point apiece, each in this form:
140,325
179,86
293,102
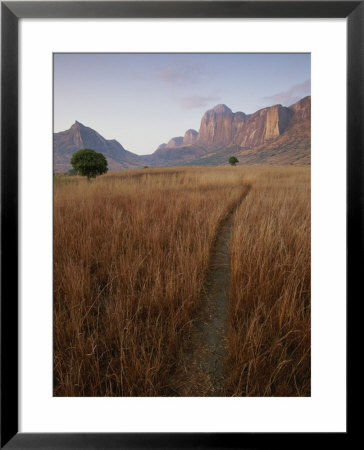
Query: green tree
89,163
233,160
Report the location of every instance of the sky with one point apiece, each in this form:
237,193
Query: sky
143,100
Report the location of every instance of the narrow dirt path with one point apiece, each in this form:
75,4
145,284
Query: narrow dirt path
202,373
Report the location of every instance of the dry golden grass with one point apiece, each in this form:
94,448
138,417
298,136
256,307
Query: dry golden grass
131,251
268,352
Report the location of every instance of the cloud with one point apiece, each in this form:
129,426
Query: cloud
198,101
291,96
180,72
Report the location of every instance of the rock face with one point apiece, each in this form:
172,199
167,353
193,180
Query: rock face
265,124
222,129
65,143
302,110
293,145
217,127
175,142
190,137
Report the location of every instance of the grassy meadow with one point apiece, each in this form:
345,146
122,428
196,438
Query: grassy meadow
268,351
131,252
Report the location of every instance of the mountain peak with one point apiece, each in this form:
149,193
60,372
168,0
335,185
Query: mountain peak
77,124
190,137
79,136
221,108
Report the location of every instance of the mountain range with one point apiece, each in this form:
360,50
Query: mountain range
272,135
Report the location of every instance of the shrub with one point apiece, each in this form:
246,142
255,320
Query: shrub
233,160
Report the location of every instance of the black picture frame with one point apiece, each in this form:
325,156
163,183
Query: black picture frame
11,12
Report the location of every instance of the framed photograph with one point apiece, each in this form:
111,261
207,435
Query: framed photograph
181,221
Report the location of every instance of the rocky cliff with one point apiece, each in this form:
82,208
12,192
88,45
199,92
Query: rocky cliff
222,129
190,137
265,124
217,127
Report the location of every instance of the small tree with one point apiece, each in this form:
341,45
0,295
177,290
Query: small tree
89,163
233,160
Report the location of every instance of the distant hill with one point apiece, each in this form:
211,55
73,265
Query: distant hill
65,143
272,135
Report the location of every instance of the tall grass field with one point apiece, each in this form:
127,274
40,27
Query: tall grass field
131,254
